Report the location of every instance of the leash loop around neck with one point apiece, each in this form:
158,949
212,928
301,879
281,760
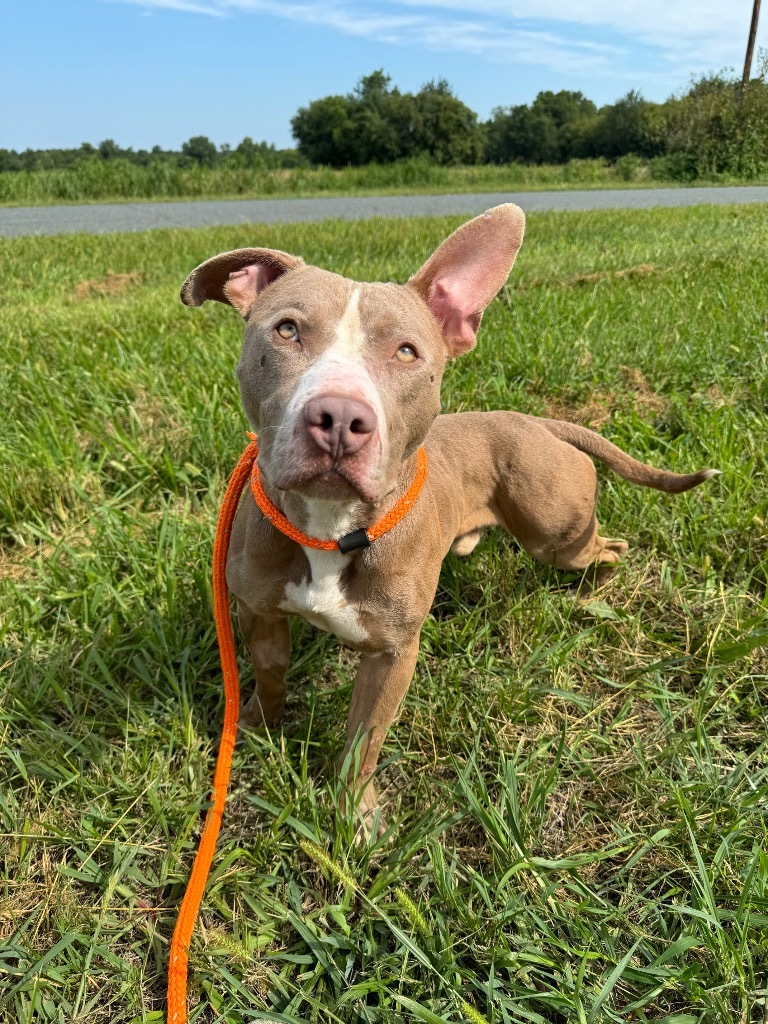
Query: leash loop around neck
350,541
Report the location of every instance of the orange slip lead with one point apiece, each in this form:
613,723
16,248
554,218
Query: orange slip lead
182,935
245,468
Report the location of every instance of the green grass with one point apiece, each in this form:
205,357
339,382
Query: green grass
577,790
121,181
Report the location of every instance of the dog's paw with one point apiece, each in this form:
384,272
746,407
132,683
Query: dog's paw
613,551
253,716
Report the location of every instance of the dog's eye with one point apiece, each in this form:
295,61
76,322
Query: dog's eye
406,354
288,330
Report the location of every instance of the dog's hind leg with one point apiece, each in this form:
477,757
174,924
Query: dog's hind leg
554,517
269,643
590,549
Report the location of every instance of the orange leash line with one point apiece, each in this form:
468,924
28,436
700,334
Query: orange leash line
182,935
406,503
190,905
392,518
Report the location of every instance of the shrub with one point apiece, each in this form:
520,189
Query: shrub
719,129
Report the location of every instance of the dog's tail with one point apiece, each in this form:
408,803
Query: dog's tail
636,472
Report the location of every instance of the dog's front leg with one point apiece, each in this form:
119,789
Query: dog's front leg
380,685
269,641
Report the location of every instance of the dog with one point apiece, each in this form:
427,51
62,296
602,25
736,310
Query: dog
340,380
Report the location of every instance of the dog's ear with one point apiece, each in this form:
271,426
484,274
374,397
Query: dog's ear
462,276
236,277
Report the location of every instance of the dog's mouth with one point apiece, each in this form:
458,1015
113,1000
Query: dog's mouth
329,480
333,483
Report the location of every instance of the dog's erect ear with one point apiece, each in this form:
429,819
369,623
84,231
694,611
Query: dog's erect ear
236,277
462,276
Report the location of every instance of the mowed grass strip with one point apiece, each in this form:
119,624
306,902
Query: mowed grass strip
576,789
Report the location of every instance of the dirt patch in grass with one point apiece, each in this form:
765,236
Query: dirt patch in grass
640,270
111,286
636,396
645,400
158,425
10,569
18,561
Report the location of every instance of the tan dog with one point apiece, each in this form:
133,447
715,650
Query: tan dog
341,382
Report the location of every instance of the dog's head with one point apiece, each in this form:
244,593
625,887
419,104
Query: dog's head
341,379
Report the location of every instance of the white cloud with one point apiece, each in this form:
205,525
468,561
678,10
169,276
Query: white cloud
188,6
685,35
472,35
708,28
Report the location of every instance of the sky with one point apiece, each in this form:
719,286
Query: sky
156,72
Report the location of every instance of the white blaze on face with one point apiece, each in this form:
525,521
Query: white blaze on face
350,336
339,370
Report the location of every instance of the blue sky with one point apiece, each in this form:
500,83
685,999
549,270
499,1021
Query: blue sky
146,72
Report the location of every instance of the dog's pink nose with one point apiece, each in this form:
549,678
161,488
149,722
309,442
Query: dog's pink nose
339,425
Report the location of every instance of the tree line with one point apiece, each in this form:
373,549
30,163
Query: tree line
717,126
198,151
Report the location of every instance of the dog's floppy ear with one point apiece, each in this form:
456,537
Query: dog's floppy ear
462,276
236,277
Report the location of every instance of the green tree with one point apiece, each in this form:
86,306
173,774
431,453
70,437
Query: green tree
572,115
378,123
254,154
519,133
199,150
550,130
108,149
625,127
9,160
444,127
324,131
382,119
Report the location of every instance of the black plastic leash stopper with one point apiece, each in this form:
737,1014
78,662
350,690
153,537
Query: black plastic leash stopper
354,541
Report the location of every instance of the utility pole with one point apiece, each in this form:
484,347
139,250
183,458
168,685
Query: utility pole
750,45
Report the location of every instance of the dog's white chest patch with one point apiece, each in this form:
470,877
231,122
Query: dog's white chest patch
321,600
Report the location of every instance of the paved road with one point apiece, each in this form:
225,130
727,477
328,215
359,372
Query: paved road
102,219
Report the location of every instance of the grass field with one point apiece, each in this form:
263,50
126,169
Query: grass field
577,789
121,181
